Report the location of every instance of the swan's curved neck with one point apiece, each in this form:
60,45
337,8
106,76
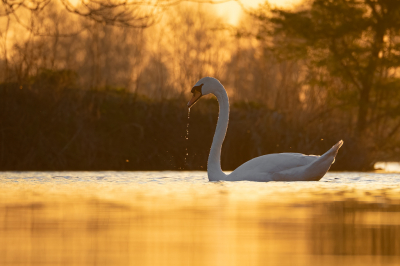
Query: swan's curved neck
214,159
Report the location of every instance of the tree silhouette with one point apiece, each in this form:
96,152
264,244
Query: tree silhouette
355,44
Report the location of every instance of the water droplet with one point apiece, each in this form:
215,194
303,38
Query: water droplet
187,138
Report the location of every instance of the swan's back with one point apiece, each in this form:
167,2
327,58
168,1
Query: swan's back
286,167
264,166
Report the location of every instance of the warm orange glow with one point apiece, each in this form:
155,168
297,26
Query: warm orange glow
188,224
232,11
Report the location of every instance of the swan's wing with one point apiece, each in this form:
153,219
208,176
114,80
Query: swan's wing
286,167
262,168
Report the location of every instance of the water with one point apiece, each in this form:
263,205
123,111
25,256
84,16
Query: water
179,218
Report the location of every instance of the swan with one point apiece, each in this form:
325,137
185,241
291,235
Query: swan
271,167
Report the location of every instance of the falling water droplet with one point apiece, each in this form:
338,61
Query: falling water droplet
187,138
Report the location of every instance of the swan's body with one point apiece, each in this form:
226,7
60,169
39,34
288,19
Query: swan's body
271,167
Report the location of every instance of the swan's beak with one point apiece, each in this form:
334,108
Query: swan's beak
195,98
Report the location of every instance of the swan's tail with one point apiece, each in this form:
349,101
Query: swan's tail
311,172
319,167
333,151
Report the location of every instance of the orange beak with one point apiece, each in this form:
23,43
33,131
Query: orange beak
195,98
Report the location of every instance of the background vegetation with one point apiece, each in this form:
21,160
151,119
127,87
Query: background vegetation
95,86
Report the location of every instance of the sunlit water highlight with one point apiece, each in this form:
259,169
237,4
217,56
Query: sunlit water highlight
179,218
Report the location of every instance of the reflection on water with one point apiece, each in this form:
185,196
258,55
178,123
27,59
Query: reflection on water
178,218
357,228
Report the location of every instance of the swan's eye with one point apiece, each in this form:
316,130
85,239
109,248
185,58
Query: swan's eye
197,88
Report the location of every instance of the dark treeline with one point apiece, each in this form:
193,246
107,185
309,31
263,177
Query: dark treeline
52,125
79,93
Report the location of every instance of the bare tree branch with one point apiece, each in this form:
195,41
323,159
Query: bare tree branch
122,13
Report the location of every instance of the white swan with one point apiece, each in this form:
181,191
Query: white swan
271,167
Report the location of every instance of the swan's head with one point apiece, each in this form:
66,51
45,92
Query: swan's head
203,87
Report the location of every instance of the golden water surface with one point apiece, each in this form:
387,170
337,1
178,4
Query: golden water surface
91,222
